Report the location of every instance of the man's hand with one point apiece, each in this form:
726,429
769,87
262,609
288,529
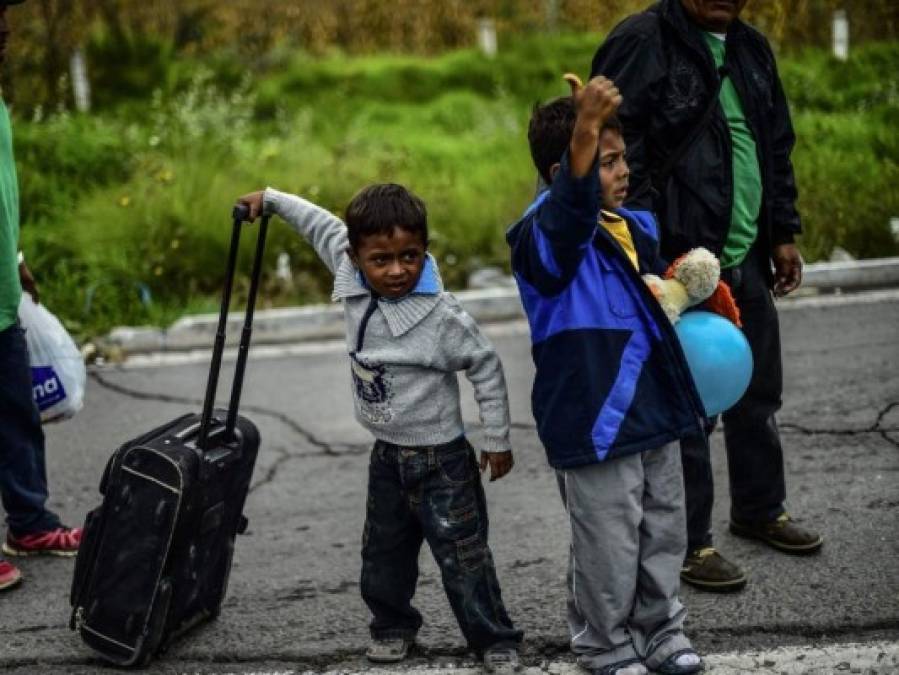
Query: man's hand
253,202
595,103
500,463
787,269
28,283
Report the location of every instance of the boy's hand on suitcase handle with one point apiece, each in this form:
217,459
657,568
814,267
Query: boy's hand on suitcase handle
500,463
253,204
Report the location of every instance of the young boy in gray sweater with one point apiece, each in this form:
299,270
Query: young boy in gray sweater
406,339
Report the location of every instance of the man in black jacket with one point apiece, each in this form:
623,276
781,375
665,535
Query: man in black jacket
709,138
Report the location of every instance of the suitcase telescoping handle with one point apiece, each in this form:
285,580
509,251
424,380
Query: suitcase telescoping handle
239,215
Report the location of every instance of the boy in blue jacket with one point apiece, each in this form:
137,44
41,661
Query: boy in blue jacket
612,394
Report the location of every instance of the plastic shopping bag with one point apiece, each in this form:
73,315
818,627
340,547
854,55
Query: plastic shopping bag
57,369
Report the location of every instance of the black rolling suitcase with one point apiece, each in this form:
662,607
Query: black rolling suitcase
156,554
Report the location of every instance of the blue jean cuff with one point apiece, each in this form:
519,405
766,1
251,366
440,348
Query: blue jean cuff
407,634
47,523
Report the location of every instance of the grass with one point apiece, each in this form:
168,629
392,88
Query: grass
126,211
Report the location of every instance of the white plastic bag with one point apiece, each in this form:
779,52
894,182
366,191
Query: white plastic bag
58,374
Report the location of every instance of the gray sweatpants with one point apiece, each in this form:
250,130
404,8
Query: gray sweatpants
628,541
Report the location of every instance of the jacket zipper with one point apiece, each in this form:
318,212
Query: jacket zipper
360,336
740,85
707,61
675,356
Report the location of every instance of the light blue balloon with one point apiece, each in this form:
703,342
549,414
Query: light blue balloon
718,356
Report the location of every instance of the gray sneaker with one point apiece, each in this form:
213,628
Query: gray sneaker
501,660
392,650
626,667
708,570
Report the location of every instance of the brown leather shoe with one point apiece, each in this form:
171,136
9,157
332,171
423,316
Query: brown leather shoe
781,533
708,570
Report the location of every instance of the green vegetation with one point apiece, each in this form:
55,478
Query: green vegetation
125,210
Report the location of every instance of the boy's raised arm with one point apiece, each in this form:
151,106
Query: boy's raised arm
322,229
566,219
326,232
595,102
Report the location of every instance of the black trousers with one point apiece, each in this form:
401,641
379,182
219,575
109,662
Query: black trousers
754,454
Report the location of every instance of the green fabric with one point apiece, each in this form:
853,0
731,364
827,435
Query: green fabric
10,287
747,175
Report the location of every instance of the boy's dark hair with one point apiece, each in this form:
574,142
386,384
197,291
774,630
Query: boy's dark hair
550,129
379,208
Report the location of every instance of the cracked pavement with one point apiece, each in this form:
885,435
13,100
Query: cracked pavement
293,600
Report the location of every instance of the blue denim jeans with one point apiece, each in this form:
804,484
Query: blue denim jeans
23,473
435,494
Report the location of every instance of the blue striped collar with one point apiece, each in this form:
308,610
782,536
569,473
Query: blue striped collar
403,313
349,281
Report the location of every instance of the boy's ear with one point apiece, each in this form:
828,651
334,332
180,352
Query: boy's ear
554,169
353,256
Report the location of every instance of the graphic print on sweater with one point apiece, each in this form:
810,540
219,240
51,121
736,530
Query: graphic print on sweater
372,390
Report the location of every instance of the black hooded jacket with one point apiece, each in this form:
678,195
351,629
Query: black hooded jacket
659,61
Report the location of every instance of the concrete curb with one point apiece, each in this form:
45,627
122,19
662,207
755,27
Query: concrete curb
290,324
318,322
852,275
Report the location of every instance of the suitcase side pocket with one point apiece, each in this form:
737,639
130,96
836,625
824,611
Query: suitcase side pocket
126,599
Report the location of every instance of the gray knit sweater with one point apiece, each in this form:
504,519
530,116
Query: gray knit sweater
404,377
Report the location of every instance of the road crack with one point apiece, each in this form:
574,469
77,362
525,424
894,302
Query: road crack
324,449
793,427
875,428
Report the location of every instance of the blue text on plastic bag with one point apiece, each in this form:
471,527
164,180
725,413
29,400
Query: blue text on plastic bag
46,387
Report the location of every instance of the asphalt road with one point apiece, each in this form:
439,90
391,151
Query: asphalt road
294,602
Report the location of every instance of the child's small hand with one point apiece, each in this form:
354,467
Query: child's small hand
253,202
500,463
595,101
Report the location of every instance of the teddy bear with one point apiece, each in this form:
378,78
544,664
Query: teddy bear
693,279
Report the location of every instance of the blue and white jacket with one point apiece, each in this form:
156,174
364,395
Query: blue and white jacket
611,377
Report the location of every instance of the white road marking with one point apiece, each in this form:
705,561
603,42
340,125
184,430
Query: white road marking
871,658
